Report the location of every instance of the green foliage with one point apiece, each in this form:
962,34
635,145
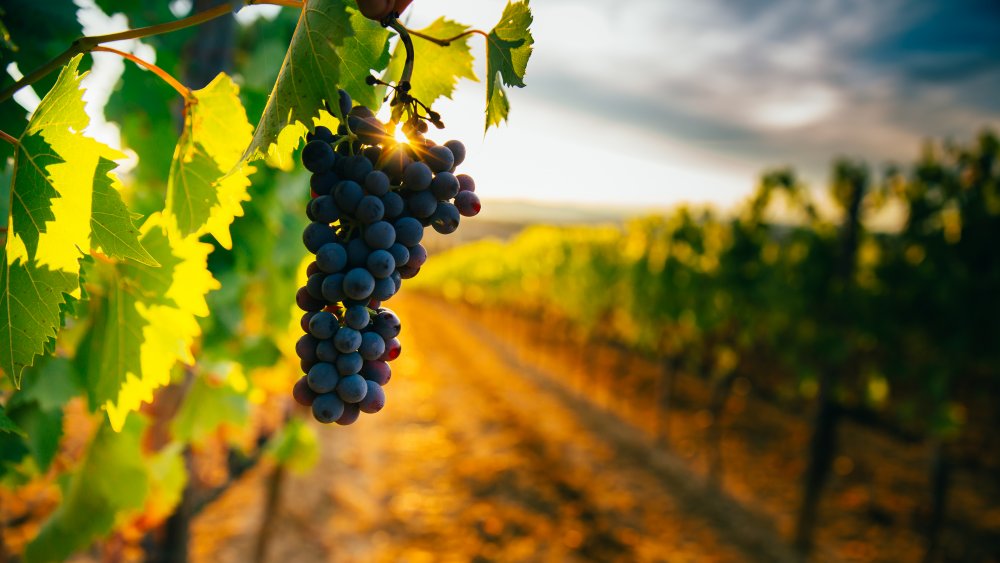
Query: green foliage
309,77
146,322
30,45
111,226
207,187
209,405
905,317
508,49
94,307
111,479
437,69
364,50
37,407
295,446
7,425
56,170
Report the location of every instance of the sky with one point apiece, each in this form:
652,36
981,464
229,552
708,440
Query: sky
656,102
650,103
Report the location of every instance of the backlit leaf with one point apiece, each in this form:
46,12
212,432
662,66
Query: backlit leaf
309,77
111,227
147,321
56,172
204,193
508,49
365,50
207,406
436,69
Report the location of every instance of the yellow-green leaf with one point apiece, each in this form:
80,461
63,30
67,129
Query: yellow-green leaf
32,191
508,49
436,69
147,321
30,297
51,225
111,228
209,405
295,446
365,50
204,191
309,77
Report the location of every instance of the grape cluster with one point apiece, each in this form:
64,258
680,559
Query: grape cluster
372,197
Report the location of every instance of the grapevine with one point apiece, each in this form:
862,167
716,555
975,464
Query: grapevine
132,300
372,196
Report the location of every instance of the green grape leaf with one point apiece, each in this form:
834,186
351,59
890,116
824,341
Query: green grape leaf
50,224
508,49
146,322
32,191
167,479
13,450
308,78
52,383
191,191
365,50
7,425
42,429
111,480
111,226
204,191
210,404
295,446
436,69
30,299
30,46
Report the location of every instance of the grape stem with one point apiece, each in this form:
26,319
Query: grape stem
162,74
446,42
8,138
89,43
404,36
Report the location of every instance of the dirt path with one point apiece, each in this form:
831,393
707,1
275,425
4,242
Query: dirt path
479,458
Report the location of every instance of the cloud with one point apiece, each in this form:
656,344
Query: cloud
748,84
776,80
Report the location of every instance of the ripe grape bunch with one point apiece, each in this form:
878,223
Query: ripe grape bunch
372,198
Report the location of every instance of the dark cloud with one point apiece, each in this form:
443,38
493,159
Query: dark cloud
786,81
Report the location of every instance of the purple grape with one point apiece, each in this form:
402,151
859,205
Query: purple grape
322,378
302,394
305,347
359,284
327,408
409,231
417,176
458,150
350,415
377,183
372,346
445,218
348,364
352,388
307,302
323,326
377,371
347,340
468,204
374,399
445,186
380,235
439,158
